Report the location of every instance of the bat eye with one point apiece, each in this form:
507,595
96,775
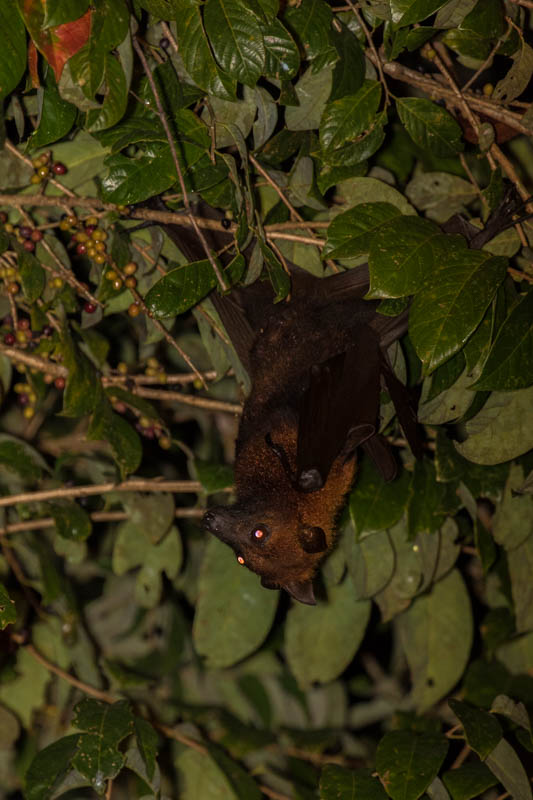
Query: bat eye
260,533
241,560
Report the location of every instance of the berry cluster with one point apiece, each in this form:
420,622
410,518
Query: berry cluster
43,168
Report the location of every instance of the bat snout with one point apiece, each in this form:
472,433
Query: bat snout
219,522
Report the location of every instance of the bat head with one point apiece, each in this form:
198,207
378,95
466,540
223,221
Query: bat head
283,551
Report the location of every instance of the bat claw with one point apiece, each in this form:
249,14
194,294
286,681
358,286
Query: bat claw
310,480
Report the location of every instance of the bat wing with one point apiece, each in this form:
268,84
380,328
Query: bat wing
339,410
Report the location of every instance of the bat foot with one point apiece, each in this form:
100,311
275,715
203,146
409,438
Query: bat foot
310,480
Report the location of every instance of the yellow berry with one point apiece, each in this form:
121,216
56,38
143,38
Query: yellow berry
488,89
134,310
165,442
130,268
57,283
117,284
197,383
130,282
122,368
111,274
28,412
100,258
152,362
99,235
100,247
35,179
91,221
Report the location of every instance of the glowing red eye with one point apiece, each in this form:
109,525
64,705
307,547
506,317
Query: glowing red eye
259,533
240,559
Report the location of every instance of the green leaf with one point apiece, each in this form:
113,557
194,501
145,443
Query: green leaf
405,12
20,457
310,22
234,612
147,741
13,50
98,757
436,633
510,361
239,779
407,762
429,500
517,712
166,556
181,289
505,764
32,277
513,519
320,641
213,477
344,119
152,514
312,91
430,126
201,777
376,504
469,781
196,53
119,434
236,39
57,12
57,115
518,77
48,766
282,59
351,233
371,561
482,730
357,784
72,521
349,71
520,561
280,280
448,309
8,611
115,98
502,430
403,256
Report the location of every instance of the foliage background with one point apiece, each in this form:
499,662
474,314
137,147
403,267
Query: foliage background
137,659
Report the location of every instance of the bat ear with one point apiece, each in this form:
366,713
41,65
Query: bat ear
312,539
301,591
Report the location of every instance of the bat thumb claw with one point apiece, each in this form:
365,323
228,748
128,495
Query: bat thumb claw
310,480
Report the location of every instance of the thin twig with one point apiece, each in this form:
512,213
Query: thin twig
133,485
189,400
377,60
97,516
170,139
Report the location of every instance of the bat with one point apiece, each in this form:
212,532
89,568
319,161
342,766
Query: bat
317,365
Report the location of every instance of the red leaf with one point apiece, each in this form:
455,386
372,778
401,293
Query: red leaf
32,65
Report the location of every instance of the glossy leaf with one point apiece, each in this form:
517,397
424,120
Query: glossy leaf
405,12
13,50
97,755
351,233
403,256
321,641
312,90
234,613
448,310
32,277
21,458
72,521
501,430
482,730
349,71
510,361
408,762
504,763
118,433
310,22
236,39
518,77
376,504
281,53
180,289
50,764
430,126
344,119
469,780
358,784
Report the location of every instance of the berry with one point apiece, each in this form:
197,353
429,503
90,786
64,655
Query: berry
100,247
42,172
56,283
28,412
72,220
89,308
122,368
90,228
164,42
9,339
117,284
3,217
9,227
91,221
81,249
13,288
35,178
130,268
28,245
165,442
36,235
58,168
111,275
99,235
25,231
226,223
23,399
130,282
23,324
134,310
48,330
99,258
59,383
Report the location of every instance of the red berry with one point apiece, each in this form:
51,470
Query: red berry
23,324
59,168
36,235
90,228
48,330
23,399
9,339
81,249
28,245
3,216
25,231
89,308
59,383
